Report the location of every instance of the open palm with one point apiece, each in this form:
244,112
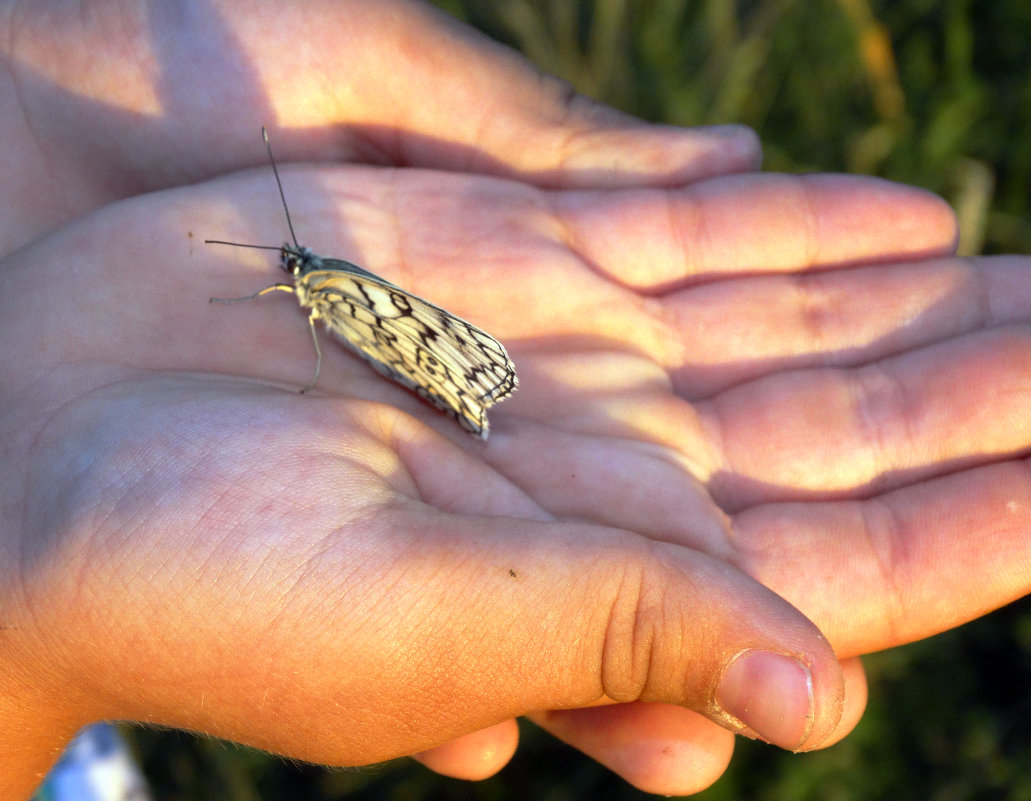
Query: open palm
733,392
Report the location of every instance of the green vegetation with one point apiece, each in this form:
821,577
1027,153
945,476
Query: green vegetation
936,94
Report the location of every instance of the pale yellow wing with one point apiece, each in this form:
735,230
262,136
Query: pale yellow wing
445,360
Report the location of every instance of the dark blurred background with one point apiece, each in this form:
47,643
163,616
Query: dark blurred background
935,93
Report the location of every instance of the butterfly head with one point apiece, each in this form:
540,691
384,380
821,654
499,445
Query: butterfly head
296,261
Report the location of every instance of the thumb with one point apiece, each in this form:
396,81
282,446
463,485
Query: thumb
453,624
604,616
412,628
783,685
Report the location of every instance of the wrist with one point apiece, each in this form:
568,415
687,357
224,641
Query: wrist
36,722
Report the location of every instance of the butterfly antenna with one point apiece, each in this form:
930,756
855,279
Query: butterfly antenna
282,196
239,244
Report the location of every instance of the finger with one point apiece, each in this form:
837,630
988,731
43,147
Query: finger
819,433
478,103
669,750
732,226
474,756
856,697
379,82
903,560
657,748
588,247
842,317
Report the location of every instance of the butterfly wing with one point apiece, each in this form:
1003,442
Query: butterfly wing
448,362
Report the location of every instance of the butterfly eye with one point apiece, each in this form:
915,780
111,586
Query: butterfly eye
289,262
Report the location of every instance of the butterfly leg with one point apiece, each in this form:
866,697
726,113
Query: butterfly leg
318,351
281,287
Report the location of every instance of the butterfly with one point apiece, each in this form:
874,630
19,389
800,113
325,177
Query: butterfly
445,360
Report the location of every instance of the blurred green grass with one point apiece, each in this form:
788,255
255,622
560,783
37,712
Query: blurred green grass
936,94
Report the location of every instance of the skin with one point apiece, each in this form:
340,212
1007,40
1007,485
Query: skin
758,414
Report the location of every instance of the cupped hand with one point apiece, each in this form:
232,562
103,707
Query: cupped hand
347,576
755,377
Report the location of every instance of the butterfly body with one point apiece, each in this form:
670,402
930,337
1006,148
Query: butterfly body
445,360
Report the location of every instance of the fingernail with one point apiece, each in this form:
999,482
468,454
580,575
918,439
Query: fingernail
771,694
